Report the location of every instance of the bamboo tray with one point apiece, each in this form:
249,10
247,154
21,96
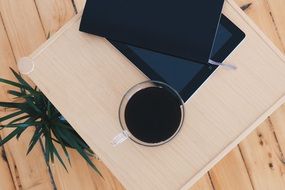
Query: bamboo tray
85,77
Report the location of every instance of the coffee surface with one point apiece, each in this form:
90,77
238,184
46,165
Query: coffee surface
153,114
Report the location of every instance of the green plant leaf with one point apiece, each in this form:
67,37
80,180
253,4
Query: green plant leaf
60,141
12,83
63,125
69,138
10,104
17,94
11,116
35,138
58,156
28,121
21,106
47,149
20,95
19,119
51,149
11,135
22,125
21,80
33,106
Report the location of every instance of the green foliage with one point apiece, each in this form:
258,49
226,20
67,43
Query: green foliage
35,110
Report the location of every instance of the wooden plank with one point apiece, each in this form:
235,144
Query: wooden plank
108,182
6,180
203,184
262,157
276,8
6,60
23,26
25,33
79,4
259,12
29,172
278,122
78,176
82,176
231,173
54,14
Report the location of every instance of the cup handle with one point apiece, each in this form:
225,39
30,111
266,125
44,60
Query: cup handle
119,138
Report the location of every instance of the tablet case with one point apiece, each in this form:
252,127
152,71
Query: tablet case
184,28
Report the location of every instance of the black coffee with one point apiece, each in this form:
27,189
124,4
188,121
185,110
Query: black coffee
153,114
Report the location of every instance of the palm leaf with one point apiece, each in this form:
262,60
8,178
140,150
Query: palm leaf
21,106
19,119
17,94
27,97
35,138
30,119
22,125
58,156
69,138
60,141
10,105
12,83
11,116
52,149
11,135
22,81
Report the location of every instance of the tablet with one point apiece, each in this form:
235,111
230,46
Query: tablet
183,75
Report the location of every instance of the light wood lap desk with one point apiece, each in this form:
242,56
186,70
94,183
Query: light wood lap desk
86,77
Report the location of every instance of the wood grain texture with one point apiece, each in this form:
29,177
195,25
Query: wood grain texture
6,180
78,176
203,184
231,173
22,24
261,15
277,120
101,116
109,182
29,172
276,8
6,60
263,159
54,14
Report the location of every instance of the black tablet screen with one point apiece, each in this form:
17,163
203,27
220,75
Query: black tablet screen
175,71
184,75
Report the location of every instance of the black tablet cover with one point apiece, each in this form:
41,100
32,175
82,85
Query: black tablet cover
184,28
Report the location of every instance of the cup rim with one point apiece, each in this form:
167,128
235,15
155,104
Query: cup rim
124,125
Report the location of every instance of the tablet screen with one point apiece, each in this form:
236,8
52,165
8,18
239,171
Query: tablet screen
183,75
175,71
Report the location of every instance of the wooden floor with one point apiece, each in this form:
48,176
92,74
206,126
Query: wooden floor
257,163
